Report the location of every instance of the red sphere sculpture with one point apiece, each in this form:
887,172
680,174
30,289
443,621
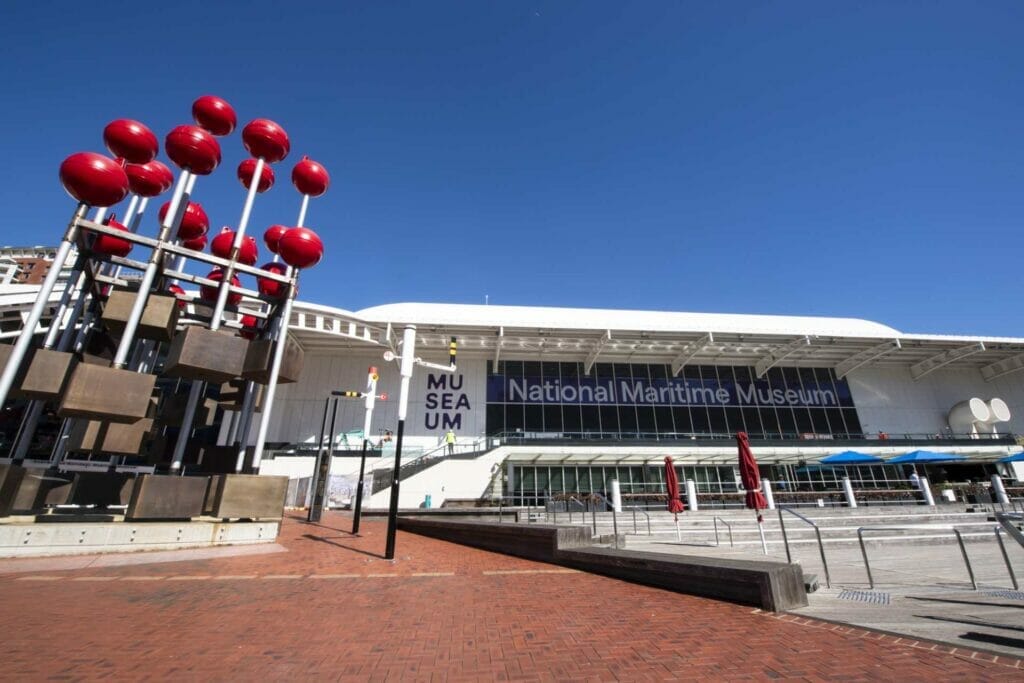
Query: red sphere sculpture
112,246
268,287
131,140
194,223
250,326
301,248
197,244
94,179
214,114
248,167
264,138
150,179
209,292
192,148
310,178
221,246
273,235
179,294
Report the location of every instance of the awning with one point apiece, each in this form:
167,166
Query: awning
851,458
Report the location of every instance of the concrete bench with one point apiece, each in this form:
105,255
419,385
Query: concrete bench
770,585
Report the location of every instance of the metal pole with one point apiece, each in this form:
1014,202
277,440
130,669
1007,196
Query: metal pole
275,371
170,222
1006,558
864,552
824,562
715,520
785,538
967,560
319,452
323,472
371,398
243,223
24,341
615,527
408,358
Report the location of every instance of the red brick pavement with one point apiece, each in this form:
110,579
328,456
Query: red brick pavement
331,608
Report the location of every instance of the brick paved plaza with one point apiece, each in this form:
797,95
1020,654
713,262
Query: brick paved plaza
329,607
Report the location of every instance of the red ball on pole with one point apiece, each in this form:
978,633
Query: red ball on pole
150,179
264,138
131,140
273,235
268,287
179,294
214,114
110,245
248,252
197,244
301,248
310,177
94,179
209,292
194,149
250,327
248,167
194,222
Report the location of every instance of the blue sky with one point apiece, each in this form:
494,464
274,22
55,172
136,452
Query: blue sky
801,158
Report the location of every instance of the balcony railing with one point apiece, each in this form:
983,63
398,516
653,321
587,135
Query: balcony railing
786,439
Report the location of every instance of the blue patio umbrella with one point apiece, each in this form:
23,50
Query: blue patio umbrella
924,458
851,458
1019,457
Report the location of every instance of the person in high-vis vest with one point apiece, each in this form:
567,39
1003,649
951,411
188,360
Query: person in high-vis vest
449,439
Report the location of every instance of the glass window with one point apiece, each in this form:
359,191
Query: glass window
701,422
734,418
591,419
627,420
717,423
513,417
534,418
681,417
662,420
495,418
609,419
571,418
552,418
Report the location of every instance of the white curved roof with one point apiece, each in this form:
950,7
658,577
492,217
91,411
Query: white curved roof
550,318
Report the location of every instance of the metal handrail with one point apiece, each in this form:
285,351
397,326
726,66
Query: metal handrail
817,532
615,519
644,513
1006,558
728,526
959,540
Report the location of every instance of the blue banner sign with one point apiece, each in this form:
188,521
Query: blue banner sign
665,392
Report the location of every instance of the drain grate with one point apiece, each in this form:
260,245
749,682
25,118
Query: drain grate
873,597
1013,595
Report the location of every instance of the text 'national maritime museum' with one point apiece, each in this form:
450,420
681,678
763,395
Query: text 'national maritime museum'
550,402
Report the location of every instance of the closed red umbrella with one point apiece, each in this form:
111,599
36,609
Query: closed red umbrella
675,506
751,479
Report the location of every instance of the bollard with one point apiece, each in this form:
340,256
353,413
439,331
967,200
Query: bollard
616,496
926,489
999,490
691,495
851,500
769,497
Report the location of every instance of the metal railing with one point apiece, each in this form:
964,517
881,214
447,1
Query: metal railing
1006,558
959,540
634,510
817,532
728,526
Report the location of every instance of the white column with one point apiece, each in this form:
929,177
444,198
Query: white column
766,486
616,496
851,500
1000,491
926,489
691,495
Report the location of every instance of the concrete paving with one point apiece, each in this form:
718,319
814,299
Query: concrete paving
921,591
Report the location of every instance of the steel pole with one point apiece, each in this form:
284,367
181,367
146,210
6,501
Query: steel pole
408,358
243,223
275,371
170,222
24,341
371,397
